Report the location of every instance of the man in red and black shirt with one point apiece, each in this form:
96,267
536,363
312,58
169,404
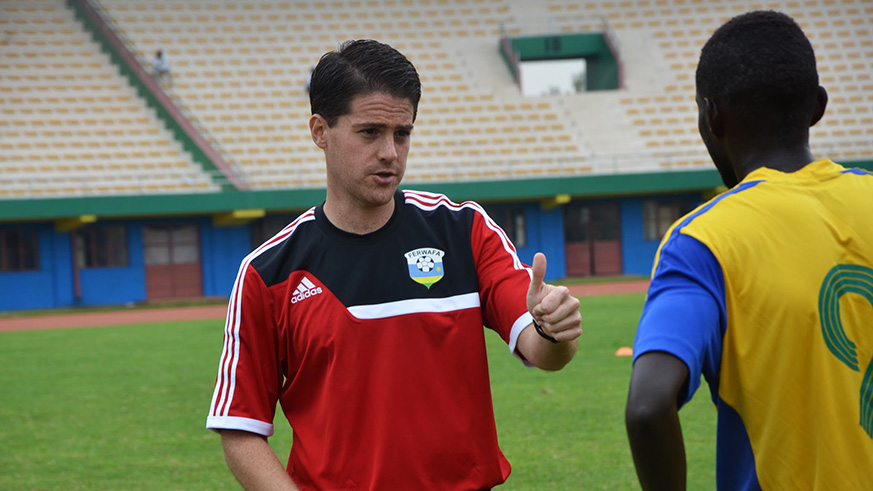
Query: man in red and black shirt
363,317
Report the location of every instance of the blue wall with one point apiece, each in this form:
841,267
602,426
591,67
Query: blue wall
34,289
223,248
117,285
637,253
544,231
52,285
60,267
551,242
222,252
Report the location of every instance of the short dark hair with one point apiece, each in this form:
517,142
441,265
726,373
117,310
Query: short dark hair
762,65
361,67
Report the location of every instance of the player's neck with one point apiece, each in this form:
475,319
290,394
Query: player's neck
784,160
352,218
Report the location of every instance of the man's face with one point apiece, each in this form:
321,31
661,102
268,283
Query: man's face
366,150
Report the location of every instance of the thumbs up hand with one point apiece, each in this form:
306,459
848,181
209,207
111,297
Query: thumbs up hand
554,309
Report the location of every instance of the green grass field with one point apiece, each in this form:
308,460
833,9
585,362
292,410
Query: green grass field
125,407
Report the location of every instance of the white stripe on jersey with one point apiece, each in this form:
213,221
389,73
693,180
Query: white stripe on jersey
416,306
431,201
225,385
237,423
309,285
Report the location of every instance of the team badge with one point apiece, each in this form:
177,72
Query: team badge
425,265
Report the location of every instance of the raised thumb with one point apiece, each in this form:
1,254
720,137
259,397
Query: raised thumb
539,272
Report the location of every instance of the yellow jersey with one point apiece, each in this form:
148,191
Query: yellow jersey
767,291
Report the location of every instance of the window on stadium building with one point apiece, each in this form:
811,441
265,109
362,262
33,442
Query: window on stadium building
658,216
102,246
19,250
511,220
264,229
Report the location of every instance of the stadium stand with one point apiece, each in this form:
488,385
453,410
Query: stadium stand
239,68
661,41
71,125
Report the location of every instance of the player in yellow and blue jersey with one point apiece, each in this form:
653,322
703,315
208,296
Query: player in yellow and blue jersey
766,290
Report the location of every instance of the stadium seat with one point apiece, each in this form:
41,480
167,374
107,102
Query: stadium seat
239,66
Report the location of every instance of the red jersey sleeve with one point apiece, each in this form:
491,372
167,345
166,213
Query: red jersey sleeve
503,279
249,376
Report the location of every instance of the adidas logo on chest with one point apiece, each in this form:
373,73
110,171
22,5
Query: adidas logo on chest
305,290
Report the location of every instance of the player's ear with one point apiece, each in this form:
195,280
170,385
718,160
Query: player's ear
713,117
821,102
318,129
